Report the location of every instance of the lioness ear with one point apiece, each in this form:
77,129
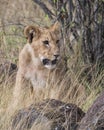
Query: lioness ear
55,26
30,32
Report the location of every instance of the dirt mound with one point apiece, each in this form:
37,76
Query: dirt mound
94,118
60,114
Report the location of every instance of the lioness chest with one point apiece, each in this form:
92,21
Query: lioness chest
38,78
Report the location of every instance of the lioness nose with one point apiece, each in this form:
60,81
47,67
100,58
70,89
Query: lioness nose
56,56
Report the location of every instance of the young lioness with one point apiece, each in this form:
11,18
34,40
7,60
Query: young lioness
39,58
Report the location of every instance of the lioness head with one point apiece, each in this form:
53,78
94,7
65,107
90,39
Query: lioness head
45,43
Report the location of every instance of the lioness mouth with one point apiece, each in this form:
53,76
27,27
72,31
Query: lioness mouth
49,62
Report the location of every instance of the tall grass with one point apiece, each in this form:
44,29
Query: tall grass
80,84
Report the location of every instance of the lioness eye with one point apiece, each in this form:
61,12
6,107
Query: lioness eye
46,42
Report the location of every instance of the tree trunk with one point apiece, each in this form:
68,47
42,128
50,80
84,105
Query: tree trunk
86,16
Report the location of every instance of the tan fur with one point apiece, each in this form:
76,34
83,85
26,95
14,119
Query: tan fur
31,68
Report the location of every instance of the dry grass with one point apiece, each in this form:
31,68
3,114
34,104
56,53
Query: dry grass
74,87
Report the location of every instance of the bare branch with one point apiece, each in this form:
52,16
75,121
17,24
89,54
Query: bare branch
45,9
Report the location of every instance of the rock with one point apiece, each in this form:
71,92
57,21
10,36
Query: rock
7,67
94,118
60,114
7,70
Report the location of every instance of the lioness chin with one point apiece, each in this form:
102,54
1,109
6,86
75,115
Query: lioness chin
39,60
